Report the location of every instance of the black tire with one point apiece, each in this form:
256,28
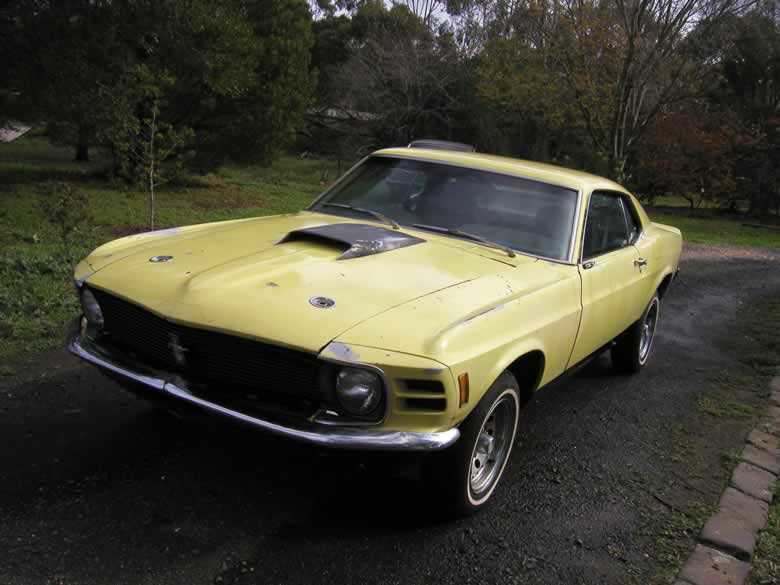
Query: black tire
632,349
450,473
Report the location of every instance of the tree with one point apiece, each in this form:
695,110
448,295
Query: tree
518,77
155,141
238,70
751,87
654,58
691,154
261,123
601,68
60,64
425,10
399,77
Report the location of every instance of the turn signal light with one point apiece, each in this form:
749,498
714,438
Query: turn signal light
463,384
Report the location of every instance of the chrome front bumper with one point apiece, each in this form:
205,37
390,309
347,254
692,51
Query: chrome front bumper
166,386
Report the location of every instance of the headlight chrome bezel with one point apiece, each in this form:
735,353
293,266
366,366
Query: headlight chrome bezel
354,385
332,412
91,311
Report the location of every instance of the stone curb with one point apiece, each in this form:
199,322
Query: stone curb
754,481
734,527
729,537
708,566
770,427
762,459
765,441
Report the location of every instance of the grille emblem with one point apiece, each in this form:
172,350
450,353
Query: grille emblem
322,302
179,351
160,258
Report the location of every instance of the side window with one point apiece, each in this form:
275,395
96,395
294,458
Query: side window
634,226
606,228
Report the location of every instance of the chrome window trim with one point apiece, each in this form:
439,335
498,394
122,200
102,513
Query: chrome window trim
338,182
577,206
628,202
625,221
621,197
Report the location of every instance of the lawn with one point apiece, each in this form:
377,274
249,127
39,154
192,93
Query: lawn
36,298
709,230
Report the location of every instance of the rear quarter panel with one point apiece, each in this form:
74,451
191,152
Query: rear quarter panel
665,251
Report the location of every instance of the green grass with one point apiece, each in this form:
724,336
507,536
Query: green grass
677,201
36,297
707,230
766,564
672,543
761,347
725,409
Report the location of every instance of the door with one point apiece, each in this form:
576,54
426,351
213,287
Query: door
648,264
608,272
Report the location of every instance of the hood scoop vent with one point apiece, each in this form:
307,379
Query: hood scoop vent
355,239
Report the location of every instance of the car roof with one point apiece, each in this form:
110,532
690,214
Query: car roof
547,173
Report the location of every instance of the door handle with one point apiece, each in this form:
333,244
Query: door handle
640,262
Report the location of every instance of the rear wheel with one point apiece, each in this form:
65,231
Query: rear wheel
632,349
467,474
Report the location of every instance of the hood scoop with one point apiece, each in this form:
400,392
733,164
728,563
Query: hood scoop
354,239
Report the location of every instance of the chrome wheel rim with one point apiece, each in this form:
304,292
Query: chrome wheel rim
494,442
648,330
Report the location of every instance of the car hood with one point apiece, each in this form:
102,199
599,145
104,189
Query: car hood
261,278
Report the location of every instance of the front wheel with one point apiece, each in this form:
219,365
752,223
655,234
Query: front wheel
467,474
632,348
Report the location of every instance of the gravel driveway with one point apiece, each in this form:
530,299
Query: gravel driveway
98,487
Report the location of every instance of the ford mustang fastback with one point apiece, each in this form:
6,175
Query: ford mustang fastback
416,305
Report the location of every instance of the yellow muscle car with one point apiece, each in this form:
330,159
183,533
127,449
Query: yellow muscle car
416,305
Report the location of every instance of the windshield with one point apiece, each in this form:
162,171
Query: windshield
528,216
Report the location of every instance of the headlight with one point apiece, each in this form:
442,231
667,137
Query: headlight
358,391
91,309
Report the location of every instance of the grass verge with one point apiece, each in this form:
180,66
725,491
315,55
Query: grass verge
766,564
766,357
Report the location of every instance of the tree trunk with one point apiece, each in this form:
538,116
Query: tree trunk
152,153
82,153
82,148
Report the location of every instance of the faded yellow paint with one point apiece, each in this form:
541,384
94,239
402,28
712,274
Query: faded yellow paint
426,312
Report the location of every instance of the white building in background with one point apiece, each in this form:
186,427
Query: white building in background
12,131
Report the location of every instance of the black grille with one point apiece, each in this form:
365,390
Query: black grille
225,366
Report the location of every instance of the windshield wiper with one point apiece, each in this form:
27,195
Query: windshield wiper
371,212
461,234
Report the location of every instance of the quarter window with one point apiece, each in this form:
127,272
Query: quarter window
606,228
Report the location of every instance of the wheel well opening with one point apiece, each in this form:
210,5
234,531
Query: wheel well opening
527,370
664,286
